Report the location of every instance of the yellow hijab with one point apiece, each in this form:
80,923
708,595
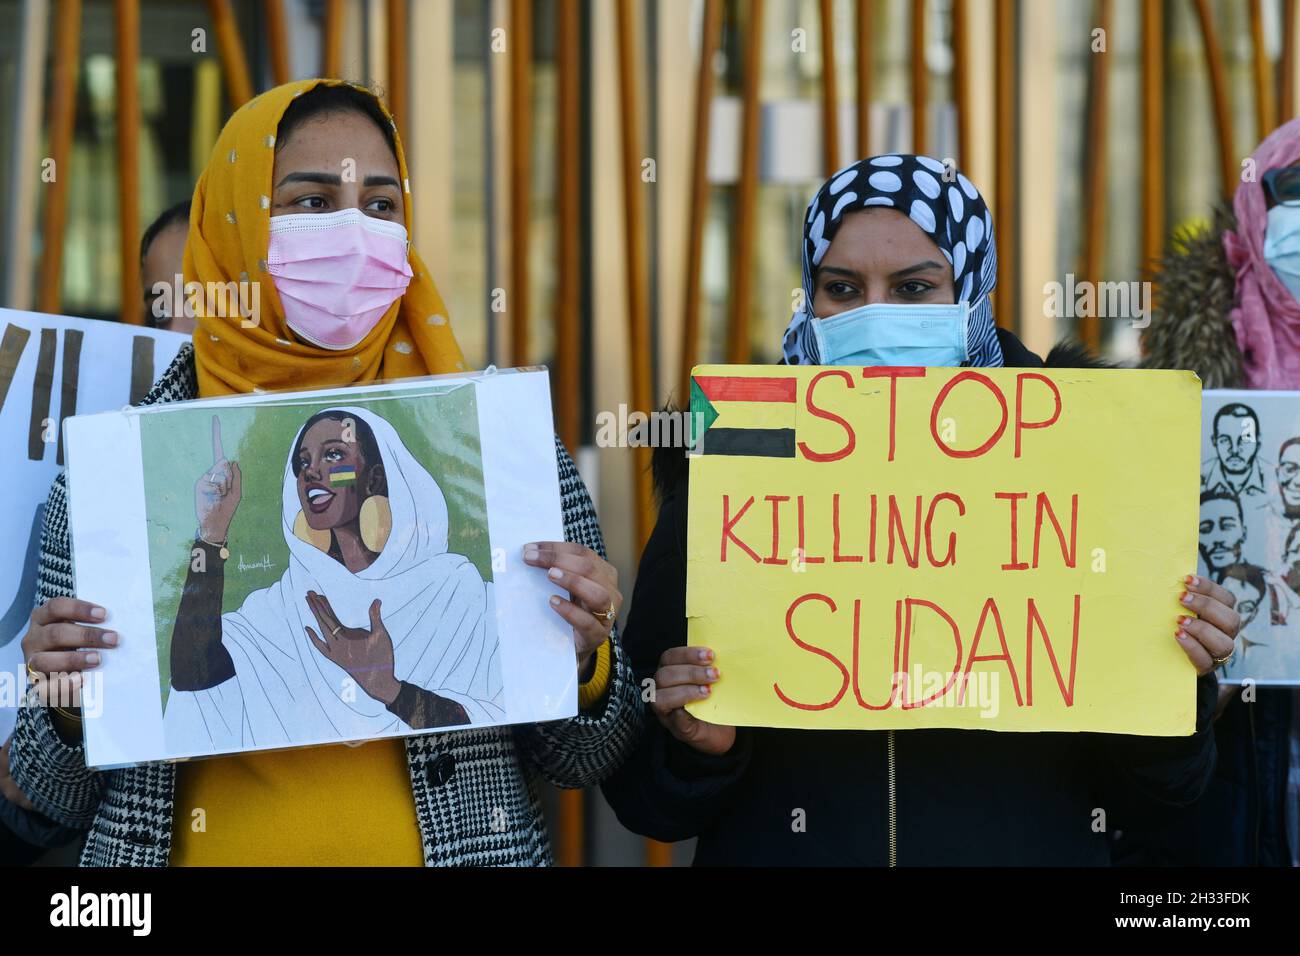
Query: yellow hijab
228,239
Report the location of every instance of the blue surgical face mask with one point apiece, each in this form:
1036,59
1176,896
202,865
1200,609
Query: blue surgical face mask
1282,245
886,334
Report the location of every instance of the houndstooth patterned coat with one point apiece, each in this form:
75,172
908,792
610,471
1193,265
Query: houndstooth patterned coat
459,779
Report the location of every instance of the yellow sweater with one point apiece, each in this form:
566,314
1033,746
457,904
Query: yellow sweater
316,806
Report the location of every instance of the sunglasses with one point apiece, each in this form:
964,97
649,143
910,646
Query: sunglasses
1282,185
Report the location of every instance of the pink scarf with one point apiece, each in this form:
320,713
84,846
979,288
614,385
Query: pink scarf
1267,317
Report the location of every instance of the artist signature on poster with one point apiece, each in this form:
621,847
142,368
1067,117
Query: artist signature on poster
264,563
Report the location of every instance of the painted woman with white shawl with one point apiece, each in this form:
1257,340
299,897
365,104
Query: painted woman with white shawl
374,630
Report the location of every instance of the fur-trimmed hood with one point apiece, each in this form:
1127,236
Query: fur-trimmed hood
1190,325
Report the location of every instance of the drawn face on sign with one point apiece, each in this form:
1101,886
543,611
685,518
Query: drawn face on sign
1291,558
337,465
1222,533
1249,592
1236,439
1288,475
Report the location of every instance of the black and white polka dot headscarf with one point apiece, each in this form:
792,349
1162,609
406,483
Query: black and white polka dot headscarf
947,208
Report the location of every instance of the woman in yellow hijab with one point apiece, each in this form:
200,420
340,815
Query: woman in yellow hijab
298,269
353,161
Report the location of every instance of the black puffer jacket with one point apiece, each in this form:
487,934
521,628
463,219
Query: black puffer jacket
958,797
1241,820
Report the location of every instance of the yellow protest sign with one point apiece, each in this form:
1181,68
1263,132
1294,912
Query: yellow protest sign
996,549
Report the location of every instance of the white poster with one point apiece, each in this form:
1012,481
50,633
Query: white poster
1250,525
319,567
53,367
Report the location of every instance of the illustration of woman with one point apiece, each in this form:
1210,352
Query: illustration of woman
366,529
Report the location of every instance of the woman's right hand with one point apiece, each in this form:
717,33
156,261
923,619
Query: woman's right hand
58,646
686,674
217,492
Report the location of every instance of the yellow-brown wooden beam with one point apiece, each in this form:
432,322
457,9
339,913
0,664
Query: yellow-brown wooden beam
234,65
830,99
920,81
1004,216
568,359
571,823
1219,93
865,13
699,204
63,111
332,39
1094,223
961,78
398,30
635,250
1286,73
1153,132
743,231
1265,108
277,40
126,42
520,47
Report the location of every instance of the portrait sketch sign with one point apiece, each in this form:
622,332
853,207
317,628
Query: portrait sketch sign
993,549
52,367
318,567
1250,525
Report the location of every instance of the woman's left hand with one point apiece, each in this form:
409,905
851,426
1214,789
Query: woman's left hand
1211,634
592,583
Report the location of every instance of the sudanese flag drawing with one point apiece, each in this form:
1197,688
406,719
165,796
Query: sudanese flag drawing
744,415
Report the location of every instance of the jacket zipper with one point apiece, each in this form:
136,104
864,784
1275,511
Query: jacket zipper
1259,795
892,777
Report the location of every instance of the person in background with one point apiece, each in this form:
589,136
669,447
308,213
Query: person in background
162,250
896,231
1228,308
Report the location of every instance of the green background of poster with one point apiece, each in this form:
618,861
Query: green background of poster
438,426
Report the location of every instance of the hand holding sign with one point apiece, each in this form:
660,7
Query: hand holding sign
594,597
1209,637
217,492
58,647
686,674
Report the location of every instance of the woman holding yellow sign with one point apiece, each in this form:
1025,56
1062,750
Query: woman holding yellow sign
899,261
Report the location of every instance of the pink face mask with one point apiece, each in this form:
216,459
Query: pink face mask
337,273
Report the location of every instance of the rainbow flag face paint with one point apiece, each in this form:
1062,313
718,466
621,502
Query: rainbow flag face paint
343,475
